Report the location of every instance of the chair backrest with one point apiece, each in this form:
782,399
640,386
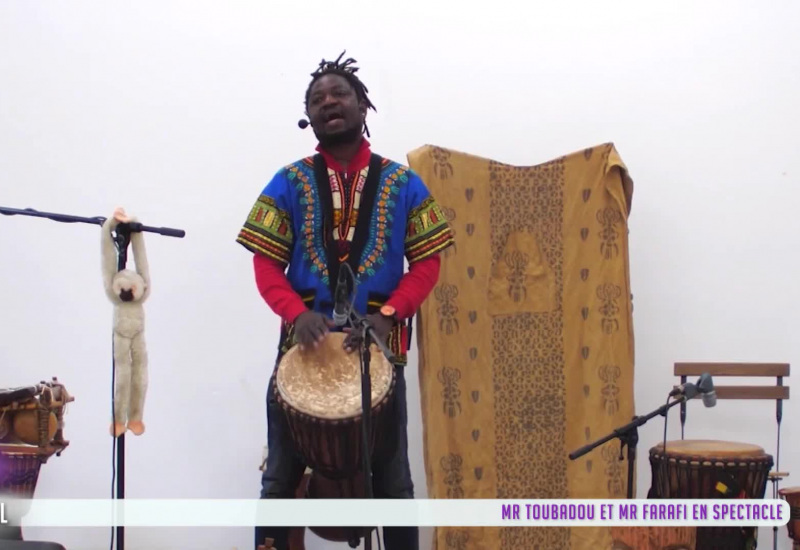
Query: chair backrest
779,391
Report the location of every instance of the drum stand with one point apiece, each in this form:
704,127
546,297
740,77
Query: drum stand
362,325
121,241
629,437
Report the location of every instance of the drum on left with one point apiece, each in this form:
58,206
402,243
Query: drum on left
31,431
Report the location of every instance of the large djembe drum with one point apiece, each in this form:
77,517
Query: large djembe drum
320,392
792,497
691,469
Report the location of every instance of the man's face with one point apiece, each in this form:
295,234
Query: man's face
334,111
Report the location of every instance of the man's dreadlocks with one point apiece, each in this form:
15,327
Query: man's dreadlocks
347,70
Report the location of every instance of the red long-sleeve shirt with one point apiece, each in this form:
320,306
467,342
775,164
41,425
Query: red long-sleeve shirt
411,291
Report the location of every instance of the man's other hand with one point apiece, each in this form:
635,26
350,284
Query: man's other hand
310,328
382,325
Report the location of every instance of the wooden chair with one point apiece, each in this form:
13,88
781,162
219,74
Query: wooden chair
779,392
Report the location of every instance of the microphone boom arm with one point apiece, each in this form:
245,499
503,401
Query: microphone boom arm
134,227
628,436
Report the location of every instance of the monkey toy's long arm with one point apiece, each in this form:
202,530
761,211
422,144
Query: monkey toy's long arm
109,257
140,257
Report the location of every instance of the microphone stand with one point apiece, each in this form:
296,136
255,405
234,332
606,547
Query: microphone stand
122,239
629,437
361,324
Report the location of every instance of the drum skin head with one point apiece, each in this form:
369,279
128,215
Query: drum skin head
711,449
326,382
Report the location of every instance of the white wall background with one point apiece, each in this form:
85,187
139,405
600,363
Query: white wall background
180,111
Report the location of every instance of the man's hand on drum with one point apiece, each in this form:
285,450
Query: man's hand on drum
311,328
382,325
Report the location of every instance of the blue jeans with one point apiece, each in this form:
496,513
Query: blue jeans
284,470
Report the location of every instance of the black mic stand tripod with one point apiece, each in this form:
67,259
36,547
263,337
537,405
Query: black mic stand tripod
629,437
363,327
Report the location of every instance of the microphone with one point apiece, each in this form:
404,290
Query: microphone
706,386
303,123
340,300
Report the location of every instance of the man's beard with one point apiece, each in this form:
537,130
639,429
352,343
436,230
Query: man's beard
341,138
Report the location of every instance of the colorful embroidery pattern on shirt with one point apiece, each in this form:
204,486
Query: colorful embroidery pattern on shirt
428,231
268,230
381,227
346,197
301,176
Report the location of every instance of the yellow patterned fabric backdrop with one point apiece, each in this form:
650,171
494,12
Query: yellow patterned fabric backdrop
526,343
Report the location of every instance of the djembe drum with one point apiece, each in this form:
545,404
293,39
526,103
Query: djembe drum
792,497
320,392
695,469
31,431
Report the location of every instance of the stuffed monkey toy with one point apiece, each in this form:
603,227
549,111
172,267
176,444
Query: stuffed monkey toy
127,290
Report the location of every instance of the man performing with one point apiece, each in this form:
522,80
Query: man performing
343,205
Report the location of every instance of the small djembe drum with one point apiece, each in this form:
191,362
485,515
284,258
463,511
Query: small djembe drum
691,469
792,497
31,431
